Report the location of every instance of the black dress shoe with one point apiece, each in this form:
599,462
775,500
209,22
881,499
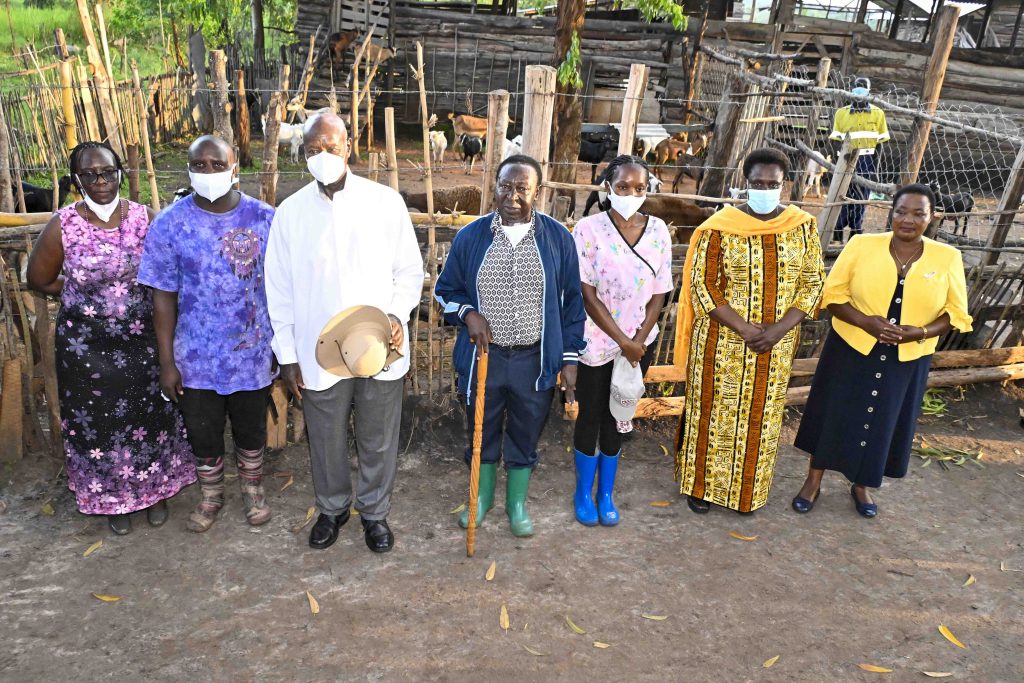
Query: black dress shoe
325,531
120,524
157,514
698,505
378,535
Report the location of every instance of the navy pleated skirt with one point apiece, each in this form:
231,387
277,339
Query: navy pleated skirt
862,410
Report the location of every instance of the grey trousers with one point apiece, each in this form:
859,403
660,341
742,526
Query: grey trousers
378,415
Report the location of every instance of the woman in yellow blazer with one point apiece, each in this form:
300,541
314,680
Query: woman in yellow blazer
891,296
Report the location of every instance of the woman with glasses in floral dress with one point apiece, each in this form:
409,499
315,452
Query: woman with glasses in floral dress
753,272
125,445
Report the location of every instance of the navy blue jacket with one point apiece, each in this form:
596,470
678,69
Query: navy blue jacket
562,329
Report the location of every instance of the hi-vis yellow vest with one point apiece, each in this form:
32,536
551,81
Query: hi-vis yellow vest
866,128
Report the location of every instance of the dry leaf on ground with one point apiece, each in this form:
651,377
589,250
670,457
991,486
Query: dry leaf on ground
970,581
769,663
937,674
664,450
314,606
661,503
489,576
948,635
601,646
93,548
291,480
503,618
575,629
309,518
106,598
875,669
533,652
742,537
47,509
655,617
458,509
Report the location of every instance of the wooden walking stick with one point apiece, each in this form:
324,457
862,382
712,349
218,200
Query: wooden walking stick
478,440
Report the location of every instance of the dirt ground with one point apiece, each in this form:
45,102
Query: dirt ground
825,592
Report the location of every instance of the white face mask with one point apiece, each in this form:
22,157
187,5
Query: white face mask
212,186
326,167
103,211
764,201
626,205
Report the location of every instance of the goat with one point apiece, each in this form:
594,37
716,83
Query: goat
512,147
644,145
438,145
668,150
464,124
40,199
690,166
812,180
289,134
593,152
961,202
338,43
463,198
471,148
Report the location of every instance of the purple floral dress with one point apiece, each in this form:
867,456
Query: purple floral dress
125,445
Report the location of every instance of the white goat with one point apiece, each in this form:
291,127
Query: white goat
289,134
438,145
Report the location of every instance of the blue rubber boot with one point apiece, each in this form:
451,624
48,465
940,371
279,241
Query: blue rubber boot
583,499
607,513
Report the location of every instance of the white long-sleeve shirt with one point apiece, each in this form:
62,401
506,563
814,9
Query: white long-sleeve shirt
324,256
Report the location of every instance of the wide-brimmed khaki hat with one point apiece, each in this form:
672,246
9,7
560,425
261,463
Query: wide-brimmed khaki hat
356,343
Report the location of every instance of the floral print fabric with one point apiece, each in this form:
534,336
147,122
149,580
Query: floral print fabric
125,446
214,261
626,278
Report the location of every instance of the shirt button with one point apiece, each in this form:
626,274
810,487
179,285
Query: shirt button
882,357
863,443
901,282
878,375
871,409
867,426
874,393
892,320
899,300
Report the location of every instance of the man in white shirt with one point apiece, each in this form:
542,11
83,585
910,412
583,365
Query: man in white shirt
338,242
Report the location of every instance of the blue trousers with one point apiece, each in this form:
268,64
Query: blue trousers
853,214
515,412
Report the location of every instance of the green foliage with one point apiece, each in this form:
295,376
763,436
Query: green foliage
660,9
569,69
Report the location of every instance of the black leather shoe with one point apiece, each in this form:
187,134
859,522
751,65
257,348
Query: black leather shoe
157,514
701,507
378,535
325,531
120,524
868,510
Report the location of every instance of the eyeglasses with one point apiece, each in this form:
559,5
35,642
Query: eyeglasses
756,185
91,177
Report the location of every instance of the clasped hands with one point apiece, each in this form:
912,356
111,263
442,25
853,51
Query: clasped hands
760,338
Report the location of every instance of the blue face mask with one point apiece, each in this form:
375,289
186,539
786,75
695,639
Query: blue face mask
860,91
764,201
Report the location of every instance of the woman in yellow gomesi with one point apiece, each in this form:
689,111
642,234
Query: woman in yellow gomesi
754,273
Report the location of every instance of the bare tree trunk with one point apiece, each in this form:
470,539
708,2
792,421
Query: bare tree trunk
257,31
568,107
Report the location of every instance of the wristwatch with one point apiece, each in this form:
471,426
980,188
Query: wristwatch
924,332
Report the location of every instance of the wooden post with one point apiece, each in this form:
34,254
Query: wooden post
112,80
91,119
935,74
277,428
811,134
102,80
154,199
373,171
727,121
538,110
897,16
631,106
44,335
428,181
268,181
1009,201
389,137
132,162
244,126
846,165
6,181
221,103
1016,28
67,100
497,130
354,104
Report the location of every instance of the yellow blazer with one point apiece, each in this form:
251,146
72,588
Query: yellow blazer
865,275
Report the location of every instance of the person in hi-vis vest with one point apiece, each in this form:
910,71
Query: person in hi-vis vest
867,128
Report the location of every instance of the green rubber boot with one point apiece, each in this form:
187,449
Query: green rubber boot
515,501
485,496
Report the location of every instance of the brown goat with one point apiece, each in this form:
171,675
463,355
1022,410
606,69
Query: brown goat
339,42
463,198
464,124
668,150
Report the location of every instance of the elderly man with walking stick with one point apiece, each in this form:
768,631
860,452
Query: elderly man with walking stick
344,271
512,281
